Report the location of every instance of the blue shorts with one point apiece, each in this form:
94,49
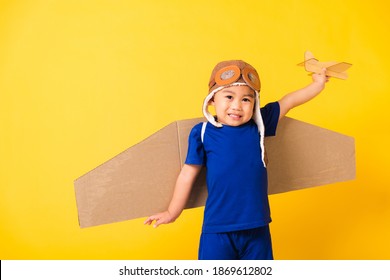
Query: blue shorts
251,244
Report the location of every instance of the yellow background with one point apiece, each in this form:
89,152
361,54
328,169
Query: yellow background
81,81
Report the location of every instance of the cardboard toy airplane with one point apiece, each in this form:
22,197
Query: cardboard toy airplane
139,181
333,69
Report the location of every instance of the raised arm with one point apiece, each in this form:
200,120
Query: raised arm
303,95
182,191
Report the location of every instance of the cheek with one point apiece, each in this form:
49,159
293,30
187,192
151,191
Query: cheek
250,110
221,104
250,107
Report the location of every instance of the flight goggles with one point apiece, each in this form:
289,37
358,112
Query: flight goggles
232,73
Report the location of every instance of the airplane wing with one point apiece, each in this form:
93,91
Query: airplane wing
339,67
139,181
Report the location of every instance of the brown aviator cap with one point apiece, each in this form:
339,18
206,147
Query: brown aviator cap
234,71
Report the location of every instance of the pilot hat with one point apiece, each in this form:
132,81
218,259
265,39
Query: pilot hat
236,73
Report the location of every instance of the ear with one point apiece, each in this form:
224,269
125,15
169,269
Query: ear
211,102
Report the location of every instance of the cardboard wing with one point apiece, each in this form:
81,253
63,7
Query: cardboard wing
140,181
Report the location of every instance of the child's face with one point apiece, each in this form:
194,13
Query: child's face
234,105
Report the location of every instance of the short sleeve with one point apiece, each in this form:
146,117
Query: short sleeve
195,153
270,114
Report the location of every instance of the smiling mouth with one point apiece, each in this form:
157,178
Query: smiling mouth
235,116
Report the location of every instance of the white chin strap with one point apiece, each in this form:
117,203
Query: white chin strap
256,116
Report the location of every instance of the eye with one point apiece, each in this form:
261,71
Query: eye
247,100
230,97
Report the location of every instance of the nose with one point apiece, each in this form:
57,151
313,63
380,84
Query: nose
236,105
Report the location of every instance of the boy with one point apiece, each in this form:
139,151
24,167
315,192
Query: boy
231,146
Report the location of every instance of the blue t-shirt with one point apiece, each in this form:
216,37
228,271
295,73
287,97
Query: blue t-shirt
236,177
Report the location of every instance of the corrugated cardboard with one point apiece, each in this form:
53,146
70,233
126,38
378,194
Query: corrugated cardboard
140,181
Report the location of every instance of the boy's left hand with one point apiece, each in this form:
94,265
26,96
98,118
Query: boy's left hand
321,77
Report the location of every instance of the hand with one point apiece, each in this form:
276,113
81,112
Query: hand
320,78
160,218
